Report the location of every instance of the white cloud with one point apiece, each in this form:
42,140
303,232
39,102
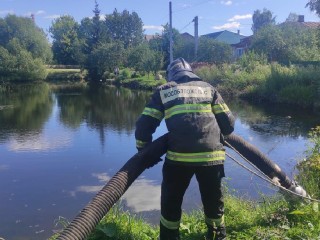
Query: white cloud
186,5
39,143
4,167
102,177
52,16
5,12
143,195
227,26
240,17
87,189
153,27
40,12
228,2
102,17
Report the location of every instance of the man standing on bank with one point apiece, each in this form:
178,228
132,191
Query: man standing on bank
196,117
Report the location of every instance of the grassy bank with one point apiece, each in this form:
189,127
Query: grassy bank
250,79
296,85
65,75
269,218
253,80
133,80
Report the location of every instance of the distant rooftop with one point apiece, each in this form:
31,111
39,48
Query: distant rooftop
226,36
302,23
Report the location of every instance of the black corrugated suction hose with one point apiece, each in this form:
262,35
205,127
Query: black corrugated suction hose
257,158
91,215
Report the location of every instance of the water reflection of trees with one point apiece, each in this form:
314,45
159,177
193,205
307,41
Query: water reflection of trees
25,109
102,108
115,108
274,119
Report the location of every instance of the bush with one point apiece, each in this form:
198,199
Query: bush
125,73
20,66
135,75
108,75
309,169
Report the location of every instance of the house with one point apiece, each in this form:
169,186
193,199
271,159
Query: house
225,36
149,37
238,42
240,48
187,36
302,23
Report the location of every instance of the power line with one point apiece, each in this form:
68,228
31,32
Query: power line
185,26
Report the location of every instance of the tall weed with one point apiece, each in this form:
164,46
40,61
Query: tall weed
309,168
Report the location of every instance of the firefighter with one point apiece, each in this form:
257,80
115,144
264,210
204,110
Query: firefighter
196,117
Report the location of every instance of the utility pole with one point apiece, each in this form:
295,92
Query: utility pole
170,34
33,18
196,37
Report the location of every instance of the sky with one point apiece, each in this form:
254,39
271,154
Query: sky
213,15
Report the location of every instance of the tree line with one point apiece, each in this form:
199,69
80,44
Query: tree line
104,42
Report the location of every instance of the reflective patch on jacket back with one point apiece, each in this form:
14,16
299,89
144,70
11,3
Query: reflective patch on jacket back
170,94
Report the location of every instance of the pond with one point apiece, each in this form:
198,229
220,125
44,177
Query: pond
58,148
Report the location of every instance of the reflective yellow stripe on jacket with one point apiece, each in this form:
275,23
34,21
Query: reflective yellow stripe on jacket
152,112
197,157
187,108
219,108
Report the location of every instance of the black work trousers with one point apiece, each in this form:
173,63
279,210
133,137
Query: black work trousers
176,179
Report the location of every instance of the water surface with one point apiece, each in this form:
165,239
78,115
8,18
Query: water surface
57,149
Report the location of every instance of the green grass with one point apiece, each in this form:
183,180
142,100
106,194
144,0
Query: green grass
280,217
269,82
146,82
65,75
272,218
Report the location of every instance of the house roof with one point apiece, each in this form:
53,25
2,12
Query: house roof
187,36
311,24
303,24
244,42
225,36
149,37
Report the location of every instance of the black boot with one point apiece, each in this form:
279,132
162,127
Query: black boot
216,233
168,234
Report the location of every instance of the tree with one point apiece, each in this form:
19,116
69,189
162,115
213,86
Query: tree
23,50
212,51
66,45
93,31
30,37
105,57
165,48
100,33
314,5
185,49
125,27
287,42
144,59
137,56
269,41
153,62
18,64
262,19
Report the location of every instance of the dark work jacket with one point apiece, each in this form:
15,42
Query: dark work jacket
195,115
